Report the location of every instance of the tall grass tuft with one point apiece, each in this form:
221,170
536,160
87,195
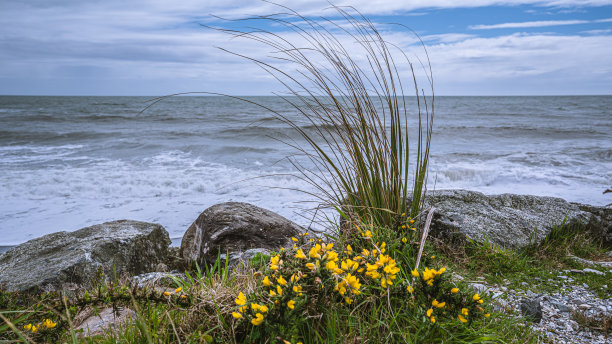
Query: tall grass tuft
343,79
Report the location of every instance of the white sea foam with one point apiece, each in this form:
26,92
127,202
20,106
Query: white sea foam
170,188
101,161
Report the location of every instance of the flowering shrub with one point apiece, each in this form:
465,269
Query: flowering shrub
302,281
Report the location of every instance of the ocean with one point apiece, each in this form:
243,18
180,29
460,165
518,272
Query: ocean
71,162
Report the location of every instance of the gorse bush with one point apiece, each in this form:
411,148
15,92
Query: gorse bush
299,286
344,81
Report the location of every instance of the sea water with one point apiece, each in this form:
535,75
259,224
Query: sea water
71,162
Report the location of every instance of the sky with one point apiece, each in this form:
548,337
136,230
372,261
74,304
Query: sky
160,47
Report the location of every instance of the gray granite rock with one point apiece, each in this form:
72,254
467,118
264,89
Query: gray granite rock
532,309
233,228
508,220
105,320
61,258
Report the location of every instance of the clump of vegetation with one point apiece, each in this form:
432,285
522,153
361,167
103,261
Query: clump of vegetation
347,85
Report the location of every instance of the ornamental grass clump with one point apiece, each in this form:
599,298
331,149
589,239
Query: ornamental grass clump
345,82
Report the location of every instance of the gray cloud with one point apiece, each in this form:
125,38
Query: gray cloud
157,47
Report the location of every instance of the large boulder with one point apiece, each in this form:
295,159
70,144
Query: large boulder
509,220
55,260
234,228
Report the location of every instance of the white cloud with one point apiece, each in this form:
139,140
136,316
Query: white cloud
542,23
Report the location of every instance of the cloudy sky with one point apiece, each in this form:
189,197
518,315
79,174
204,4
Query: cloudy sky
158,47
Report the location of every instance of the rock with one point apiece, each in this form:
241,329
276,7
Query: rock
57,259
106,319
156,279
599,222
590,262
532,309
508,220
593,271
233,228
560,306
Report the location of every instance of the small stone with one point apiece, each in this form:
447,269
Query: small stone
560,306
584,306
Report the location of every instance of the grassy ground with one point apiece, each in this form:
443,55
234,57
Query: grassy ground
205,306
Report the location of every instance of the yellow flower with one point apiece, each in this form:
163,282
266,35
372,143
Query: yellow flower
413,229
433,319
403,226
462,319
410,289
263,309
403,214
297,289
480,301
294,239
412,221
349,248
183,296
48,323
291,304
433,257
272,292
178,290
349,264
404,240
274,262
257,320
28,327
414,273
310,266
429,311
266,281
476,297
437,304
166,293
329,246
241,300
236,315
281,281
315,251
487,315
300,254
279,290
367,234
455,290
464,311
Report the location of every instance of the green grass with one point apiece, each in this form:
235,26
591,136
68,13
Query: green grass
538,266
204,314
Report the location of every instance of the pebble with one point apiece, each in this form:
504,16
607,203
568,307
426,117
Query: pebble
557,310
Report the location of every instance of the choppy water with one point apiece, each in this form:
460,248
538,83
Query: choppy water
69,162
